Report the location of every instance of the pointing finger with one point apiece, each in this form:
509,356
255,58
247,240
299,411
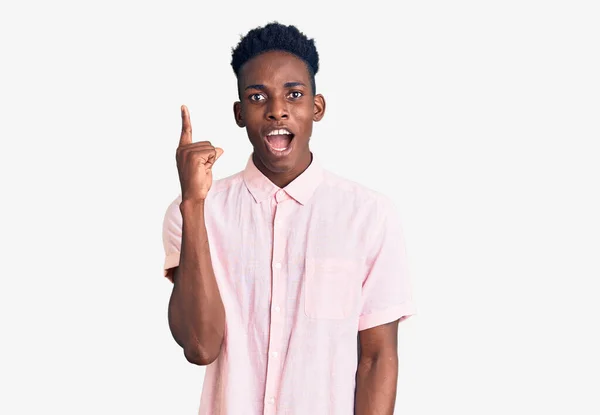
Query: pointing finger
186,127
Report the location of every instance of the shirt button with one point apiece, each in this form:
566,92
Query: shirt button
271,401
277,309
275,354
278,265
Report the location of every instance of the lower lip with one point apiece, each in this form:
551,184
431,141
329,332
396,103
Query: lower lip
280,153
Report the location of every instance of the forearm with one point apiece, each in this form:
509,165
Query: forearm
196,312
376,383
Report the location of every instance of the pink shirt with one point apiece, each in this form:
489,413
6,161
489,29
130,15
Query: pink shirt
301,270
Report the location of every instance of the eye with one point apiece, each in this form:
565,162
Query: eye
295,94
257,97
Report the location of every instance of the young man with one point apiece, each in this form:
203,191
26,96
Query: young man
277,269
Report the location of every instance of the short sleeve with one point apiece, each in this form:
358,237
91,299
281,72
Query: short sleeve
172,226
386,291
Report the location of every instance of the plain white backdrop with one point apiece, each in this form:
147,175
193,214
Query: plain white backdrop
479,118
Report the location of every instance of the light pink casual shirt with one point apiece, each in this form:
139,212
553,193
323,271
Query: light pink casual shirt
301,270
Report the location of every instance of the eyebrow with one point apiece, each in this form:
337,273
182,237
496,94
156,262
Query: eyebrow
292,84
261,87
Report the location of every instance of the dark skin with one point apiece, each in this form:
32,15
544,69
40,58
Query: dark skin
196,311
275,91
377,373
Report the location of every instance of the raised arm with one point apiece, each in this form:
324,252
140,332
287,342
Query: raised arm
196,312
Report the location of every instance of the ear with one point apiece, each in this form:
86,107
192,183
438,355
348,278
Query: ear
237,113
319,107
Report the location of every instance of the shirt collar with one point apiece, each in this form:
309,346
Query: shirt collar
301,188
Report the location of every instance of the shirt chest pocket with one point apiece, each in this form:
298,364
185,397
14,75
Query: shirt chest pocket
331,287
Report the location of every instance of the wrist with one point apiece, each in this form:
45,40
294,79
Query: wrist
191,205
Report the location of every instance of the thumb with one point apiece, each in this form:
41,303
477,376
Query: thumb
219,151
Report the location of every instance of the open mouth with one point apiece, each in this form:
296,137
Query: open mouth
279,141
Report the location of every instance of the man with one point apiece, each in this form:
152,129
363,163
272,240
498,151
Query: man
277,269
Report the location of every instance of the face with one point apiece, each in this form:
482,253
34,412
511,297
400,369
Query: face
277,107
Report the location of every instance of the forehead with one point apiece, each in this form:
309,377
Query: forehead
274,67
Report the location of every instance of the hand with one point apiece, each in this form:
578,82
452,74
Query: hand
194,162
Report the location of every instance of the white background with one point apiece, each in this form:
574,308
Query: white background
479,118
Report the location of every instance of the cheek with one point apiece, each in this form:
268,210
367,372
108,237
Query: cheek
303,115
252,116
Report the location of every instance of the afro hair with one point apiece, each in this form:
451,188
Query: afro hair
275,36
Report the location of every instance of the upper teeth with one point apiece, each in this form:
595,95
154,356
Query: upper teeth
279,132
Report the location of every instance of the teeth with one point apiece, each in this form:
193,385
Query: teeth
279,132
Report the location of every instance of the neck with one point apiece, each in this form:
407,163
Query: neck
282,179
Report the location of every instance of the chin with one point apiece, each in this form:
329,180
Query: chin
277,164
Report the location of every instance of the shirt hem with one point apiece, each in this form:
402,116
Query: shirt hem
171,261
388,315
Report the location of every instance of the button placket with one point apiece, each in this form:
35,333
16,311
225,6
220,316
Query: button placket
278,289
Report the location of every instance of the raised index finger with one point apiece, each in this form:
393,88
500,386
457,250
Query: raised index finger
186,127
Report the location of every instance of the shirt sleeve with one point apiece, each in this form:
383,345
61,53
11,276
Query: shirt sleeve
172,226
386,290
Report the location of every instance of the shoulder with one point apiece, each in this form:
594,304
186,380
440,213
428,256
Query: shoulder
225,185
219,188
356,194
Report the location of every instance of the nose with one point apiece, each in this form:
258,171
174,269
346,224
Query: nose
277,110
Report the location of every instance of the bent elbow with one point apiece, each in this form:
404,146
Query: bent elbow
200,356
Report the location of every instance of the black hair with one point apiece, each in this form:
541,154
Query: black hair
275,36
